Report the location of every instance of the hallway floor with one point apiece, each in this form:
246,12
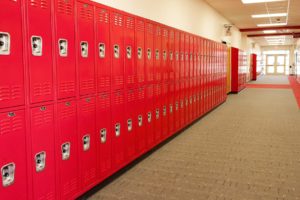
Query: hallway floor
246,149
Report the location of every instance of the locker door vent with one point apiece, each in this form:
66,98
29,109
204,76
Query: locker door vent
130,23
86,12
118,19
149,29
103,16
39,3
65,7
10,124
140,26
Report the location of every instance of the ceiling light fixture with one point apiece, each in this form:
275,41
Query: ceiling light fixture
259,1
270,15
270,31
274,24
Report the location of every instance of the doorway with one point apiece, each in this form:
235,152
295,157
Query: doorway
276,64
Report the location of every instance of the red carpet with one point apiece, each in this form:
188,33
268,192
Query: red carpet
269,86
296,88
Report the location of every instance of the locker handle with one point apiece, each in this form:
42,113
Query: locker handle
101,50
86,140
40,161
177,56
164,55
171,56
37,45
164,111
140,53
11,114
140,120
118,129
157,113
129,125
149,54
149,117
171,108
103,135
176,106
8,174
157,54
84,46
4,43
116,51
128,52
66,150
63,47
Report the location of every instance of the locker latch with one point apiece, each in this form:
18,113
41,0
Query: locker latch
65,150
149,54
186,56
171,55
191,57
157,54
182,56
165,55
164,111
191,100
103,134
171,108
63,47
195,98
129,125
4,43
181,104
149,117
128,52
157,113
186,102
84,49
140,53
177,56
40,161
37,45
140,119
8,174
11,114
86,141
118,129
116,51
102,50
176,106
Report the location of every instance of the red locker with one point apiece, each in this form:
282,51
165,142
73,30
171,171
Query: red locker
171,64
149,39
164,47
177,56
39,50
187,56
129,61
191,82
140,50
118,126
182,56
117,42
42,152
103,57
171,109
13,155
157,115
67,150
165,109
150,112
104,134
87,141
177,106
64,48
11,56
182,104
157,54
141,134
85,48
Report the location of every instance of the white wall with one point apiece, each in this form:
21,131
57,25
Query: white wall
194,16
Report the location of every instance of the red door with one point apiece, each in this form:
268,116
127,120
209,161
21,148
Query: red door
165,110
140,50
157,115
11,55
157,54
149,54
171,108
150,112
171,64
141,120
165,52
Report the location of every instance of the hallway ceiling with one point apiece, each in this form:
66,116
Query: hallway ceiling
239,15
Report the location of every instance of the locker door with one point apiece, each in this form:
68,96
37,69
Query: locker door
11,56
67,149
171,64
131,123
87,141
171,108
149,39
191,79
102,45
104,134
187,56
39,50
42,149
118,50
129,40
13,160
140,50
165,52
157,115
85,48
201,76
118,128
182,79
150,113
177,106
165,109
157,54
182,56
177,56
64,48
141,120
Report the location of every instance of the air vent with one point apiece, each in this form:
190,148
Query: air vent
118,19
140,26
129,23
65,7
86,12
103,16
39,3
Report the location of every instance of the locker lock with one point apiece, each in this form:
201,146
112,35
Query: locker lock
129,125
140,119
157,54
149,54
140,53
37,45
86,141
11,114
164,111
103,135
171,108
191,100
63,47
8,174
195,99
182,56
177,56
171,55
118,129
149,117
186,102
65,150
191,57
40,161
181,104
116,51
176,106
4,43
165,55
157,113
84,49
128,52
102,50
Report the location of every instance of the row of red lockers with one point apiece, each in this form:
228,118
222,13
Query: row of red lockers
101,90
238,69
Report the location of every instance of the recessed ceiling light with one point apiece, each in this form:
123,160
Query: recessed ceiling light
270,31
259,1
274,24
270,15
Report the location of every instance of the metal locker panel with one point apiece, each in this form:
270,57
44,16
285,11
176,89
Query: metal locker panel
39,41
103,47
118,50
118,128
182,55
171,108
64,48
130,48
43,152
11,55
177,55
140,50
172,55
165,54
104,134
141,120
191,58
131,123
177,106
182,103
157,54
67,149
187,55
150,114
149,52
165,110
87,141
85,47
157,115
13,160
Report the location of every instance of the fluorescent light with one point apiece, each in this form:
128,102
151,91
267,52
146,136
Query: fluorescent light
259,1
274,24
270,15
270,31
